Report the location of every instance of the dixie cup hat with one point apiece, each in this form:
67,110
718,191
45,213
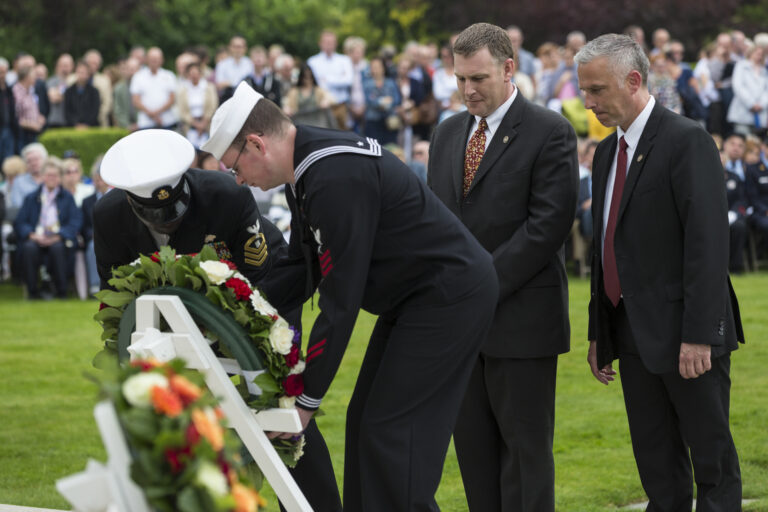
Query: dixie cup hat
229,119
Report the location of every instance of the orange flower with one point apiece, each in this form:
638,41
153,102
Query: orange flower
246,499
166,401
208,426
186,389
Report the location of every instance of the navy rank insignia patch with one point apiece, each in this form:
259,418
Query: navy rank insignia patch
162,194
256,247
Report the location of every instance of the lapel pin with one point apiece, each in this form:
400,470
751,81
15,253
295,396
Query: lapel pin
640,158
505,139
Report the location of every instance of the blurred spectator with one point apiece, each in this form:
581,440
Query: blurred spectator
733,149
525,85
548,54
82,100
686,85
381,101
526,60
46,228
756,187
102,83
139,54
751,152
660,38
183,60
444,81
333,71
584,203
72,180
421,152
637,33
13,166
204,57
354,48
207,161
662,86
233,69
284,71
737,219
196,104
413,93
124,112
739,45
418,168
57,85
34,155
566,79
308,103
41,71
9,126
454,107
262,80
153,91
101,188
702,72
275,50
747,111
31,120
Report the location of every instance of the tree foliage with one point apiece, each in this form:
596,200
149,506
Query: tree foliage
47,28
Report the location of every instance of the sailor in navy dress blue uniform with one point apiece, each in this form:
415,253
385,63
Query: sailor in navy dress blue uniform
159,201
368,234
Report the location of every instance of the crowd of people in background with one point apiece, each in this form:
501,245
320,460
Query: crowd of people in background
396,98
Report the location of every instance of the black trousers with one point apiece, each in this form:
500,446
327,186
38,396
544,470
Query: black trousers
31,257
677,423
406,400
504,435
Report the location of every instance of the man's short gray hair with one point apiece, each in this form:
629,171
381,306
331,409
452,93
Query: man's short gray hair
622,52
34,147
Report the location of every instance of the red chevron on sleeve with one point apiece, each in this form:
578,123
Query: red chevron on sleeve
315,350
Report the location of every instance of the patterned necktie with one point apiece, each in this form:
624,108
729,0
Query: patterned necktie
475,150
610,271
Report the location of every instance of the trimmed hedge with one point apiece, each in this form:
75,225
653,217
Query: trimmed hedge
88,143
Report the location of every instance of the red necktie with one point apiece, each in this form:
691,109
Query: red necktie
610,272
475,150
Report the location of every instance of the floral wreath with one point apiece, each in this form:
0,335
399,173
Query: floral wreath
183,456
242,305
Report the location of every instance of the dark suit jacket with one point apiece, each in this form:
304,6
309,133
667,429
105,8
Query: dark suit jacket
521,208
671,245
87,208
757,187
70,217
82,107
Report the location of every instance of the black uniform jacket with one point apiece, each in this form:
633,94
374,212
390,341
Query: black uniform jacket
375,237
220,213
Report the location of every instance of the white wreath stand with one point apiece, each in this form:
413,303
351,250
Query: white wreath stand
109,488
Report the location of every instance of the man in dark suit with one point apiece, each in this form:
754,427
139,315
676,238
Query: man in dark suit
661,298
509,170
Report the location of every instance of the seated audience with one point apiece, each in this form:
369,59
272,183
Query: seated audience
34,155
756,185
46,229
737,219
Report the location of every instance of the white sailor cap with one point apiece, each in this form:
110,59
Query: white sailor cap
229,119
148,164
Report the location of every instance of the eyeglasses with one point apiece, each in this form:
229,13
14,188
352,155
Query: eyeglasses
233,170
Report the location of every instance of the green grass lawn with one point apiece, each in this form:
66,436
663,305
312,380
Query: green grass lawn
48,431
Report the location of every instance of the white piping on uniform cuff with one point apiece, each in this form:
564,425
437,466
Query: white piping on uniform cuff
308,402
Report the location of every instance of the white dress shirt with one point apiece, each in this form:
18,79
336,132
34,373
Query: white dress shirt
494,120
632,138
333,73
